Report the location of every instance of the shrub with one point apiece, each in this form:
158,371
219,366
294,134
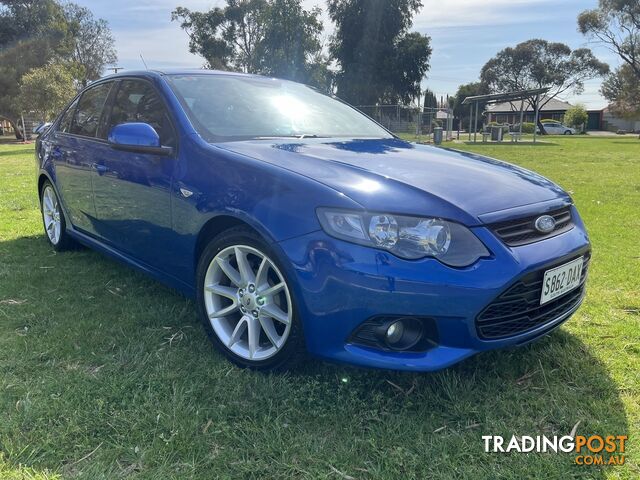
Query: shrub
576,116
527,127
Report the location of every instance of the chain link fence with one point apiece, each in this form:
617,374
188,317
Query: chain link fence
412,123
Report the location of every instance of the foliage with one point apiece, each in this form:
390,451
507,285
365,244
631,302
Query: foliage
615,23
291,48
46,90
93,43
461,111
538,63
271,37
378,59
227,38
430,100
528,127
576,116
622,89
35,33
98,357
32,33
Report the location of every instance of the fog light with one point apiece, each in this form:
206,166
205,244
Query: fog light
395,332
403,334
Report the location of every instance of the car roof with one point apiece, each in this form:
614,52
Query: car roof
176,71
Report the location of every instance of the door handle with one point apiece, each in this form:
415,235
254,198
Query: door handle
101,169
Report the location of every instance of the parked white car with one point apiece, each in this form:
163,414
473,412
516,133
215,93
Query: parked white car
556,128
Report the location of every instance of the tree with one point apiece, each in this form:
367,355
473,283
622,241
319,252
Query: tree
93,43
616,24
227,38
46,90
576,116
460,111
271,37
32,32
538,63
291,41
622,89
430,100
379,61
36,33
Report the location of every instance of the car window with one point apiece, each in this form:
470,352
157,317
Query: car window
137,101
87,116
65,121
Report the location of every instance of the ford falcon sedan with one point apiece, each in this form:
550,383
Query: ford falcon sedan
298,223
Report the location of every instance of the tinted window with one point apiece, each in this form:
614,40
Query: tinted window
137,101
225,106
87,117
65,122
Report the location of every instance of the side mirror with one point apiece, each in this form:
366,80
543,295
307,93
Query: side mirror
138,138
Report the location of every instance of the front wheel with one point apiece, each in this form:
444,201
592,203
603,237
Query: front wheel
568,132
245,301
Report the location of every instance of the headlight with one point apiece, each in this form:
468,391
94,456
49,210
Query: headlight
406,237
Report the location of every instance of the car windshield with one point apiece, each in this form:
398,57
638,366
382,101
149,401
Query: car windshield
231,107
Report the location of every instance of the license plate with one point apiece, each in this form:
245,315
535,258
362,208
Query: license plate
561,280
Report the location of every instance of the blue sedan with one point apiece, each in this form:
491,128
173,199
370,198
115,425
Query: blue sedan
298,223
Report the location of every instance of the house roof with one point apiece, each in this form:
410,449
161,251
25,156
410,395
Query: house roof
552,105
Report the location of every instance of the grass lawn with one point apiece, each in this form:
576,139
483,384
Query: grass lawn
105,373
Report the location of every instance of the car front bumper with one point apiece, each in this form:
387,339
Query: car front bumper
339,285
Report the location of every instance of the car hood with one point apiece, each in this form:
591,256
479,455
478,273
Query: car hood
402,177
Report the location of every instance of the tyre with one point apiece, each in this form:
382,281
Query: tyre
55,227
568,132
245,301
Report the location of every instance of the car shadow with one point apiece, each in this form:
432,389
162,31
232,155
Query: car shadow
82,308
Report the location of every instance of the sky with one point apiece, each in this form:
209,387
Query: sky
464,35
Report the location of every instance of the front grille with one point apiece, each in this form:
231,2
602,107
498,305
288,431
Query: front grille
518,309
523,231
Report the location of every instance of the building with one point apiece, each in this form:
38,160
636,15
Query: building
554,109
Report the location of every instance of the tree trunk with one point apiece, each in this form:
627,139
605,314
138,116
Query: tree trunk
541,126
16,130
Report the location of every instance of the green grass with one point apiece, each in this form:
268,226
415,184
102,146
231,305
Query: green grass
105,373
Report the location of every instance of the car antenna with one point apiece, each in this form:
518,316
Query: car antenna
145,63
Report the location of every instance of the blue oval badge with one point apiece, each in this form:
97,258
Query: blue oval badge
545,224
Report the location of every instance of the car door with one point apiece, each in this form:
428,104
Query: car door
132,190
74,146
552,128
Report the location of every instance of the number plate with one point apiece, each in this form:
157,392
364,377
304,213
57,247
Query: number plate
561,280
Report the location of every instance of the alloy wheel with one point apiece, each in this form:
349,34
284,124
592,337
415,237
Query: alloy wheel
248,302
51,214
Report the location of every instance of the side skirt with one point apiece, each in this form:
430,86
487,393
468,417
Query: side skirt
170,281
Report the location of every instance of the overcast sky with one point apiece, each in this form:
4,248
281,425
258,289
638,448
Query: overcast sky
465,34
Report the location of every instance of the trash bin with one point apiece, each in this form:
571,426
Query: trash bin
437,135
496,133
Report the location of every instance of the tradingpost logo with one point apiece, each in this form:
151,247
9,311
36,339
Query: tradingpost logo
588,450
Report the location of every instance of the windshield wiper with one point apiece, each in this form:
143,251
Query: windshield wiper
310,135
300,137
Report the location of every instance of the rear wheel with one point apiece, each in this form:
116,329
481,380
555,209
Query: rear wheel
53,220
245,301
